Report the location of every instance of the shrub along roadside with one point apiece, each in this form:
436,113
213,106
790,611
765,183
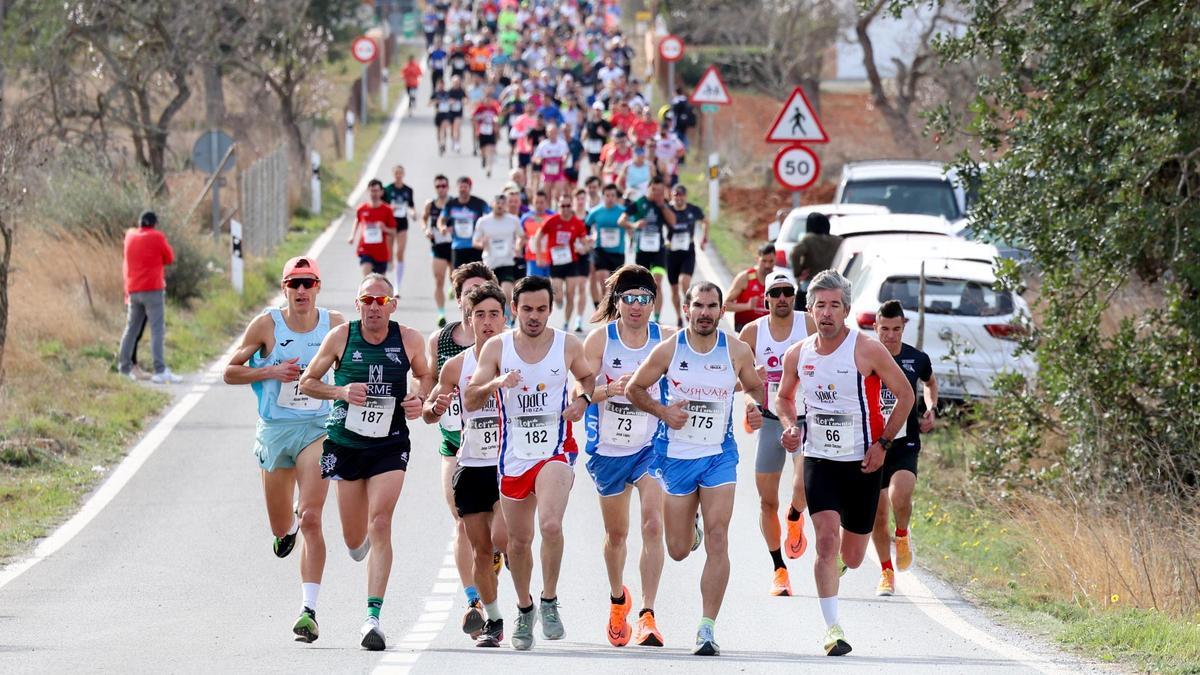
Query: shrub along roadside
53,450
1057,567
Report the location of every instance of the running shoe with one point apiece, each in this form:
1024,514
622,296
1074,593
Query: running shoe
522,637
372,635
166,377
887,583
305,627
578,325
796,541
904,554
842,566
647,634
360,553
472,622
492,635
441,321
619,631
283,545
698,534
781,586
835,641
706,645
552,626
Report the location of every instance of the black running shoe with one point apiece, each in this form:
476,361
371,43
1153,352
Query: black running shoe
284,545
492,635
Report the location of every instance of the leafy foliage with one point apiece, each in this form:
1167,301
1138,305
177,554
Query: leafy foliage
1093,113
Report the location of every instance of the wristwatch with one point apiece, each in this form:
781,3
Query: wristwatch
585,397
886,443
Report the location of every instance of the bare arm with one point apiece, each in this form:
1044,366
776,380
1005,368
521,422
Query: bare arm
311,383
743,362
255,338
785,399
735,289
648,375
419,367
872,357
593,353
439,397
584,375
487,378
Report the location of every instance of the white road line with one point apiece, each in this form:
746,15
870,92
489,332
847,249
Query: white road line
428,626
154,438
920,595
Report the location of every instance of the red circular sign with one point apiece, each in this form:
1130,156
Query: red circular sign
671,48
797,167
363,48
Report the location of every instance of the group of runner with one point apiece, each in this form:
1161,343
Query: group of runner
505,387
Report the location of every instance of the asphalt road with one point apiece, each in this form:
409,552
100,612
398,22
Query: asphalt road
169,567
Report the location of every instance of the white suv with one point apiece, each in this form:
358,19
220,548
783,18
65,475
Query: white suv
971,325
904,186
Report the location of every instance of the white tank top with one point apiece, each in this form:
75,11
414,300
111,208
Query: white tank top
532,427
769,354
843,416
706,381
616,428
479,444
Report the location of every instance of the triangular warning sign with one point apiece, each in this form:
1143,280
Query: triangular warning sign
797,122
711,89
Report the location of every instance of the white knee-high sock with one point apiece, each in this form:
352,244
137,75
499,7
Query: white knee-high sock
829,610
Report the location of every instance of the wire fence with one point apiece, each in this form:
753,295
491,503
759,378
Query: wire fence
263,194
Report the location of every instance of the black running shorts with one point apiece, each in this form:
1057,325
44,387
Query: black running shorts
462,256
476,489
902,457
680,263
339,462
842,487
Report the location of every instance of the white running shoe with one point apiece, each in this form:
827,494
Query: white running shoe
166,377
373,638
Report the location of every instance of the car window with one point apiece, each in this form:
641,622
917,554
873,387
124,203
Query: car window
925,197
948,296
795,227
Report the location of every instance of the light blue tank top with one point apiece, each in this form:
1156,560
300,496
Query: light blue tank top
288,345
706,382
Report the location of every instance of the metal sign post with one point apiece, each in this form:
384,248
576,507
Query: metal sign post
211,154
350,135
362,96
364,51
670,50
714,187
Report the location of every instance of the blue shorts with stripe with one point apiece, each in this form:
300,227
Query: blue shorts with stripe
681,477
612,474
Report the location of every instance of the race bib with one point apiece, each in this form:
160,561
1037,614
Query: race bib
459,64
400,210
372,234
438,237
831,434
499,248
623,425
451,420
551,166
887,402
681,241
291,398
560,255
610,237
373,419
535,436
593,145
650,241
705,424
486,128
455,105
464,229
443,106
482,438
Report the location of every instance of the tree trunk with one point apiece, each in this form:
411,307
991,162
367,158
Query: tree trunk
6,232
896,118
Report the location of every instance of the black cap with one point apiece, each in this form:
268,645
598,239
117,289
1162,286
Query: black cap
148,219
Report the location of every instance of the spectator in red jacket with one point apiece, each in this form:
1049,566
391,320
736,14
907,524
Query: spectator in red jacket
147,253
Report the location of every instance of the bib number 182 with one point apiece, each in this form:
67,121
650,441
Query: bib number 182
537,436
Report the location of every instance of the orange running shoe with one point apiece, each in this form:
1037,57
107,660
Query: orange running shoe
782,586
796,543
647,634
618,626
904,553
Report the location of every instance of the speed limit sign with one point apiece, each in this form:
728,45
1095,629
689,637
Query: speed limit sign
796,167
363,49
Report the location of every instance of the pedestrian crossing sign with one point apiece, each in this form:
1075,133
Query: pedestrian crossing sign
797,122
711,89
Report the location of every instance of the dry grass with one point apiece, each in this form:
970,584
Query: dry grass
1133,555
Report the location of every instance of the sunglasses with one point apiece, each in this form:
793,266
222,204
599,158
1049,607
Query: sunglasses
301,283
375,299
781,292
442,186
630,299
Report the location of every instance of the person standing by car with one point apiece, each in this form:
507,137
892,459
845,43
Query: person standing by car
147,253
814,253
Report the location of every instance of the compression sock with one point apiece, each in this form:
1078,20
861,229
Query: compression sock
374,604
310,591
793,514
471,593
777,558
886,564
829,610
901,533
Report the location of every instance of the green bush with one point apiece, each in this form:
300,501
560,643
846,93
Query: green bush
100,203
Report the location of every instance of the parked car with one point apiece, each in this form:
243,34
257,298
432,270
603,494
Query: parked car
904,186
794,223
971,325
861,232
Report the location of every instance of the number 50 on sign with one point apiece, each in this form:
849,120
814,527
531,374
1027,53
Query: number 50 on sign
796,167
